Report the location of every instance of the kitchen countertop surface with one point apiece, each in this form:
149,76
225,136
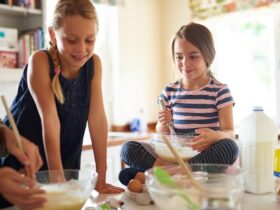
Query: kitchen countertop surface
249,202
117,138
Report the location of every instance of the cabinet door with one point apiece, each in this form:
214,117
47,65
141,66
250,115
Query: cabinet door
113,162
9,90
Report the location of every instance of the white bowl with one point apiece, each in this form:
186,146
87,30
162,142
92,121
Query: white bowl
223,187
142,198
181,143
68,191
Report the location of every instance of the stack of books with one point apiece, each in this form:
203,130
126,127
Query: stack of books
29,42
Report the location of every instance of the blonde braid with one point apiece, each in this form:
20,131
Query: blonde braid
56,86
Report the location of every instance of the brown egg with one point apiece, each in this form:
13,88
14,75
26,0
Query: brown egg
135,185
141,177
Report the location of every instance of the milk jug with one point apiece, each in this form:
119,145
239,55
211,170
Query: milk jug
257,137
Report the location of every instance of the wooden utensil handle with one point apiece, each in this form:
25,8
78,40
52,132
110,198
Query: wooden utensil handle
16,133
185,166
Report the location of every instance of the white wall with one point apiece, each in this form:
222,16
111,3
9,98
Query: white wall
175,14
139,60
145,28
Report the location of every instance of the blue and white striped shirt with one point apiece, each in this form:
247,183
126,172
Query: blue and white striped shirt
196,108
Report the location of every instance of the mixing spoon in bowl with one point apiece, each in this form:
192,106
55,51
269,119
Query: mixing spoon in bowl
170,125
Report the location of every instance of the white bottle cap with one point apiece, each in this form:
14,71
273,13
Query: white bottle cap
257,108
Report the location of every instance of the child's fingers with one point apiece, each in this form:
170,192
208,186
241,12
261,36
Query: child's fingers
21,156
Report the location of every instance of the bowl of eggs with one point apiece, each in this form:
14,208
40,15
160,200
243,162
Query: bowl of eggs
181,143
67,190
137,191
222,187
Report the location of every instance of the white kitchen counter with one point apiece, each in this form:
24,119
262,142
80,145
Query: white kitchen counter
249,202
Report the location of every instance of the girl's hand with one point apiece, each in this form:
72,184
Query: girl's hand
206,138
165,117
19,190
30,158
108,189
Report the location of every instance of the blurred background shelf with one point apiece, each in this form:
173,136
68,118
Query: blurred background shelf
8,10
21,31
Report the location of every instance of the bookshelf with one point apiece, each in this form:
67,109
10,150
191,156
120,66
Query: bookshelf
22,19
17,11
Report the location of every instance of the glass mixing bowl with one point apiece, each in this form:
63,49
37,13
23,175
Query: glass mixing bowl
181,143
223,187
67,191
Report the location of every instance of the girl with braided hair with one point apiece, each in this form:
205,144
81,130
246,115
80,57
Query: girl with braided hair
60,91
